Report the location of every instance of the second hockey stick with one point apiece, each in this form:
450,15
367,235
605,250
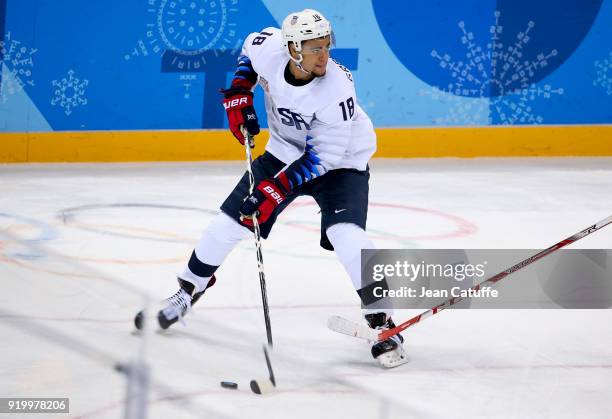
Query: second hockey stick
248,143
351,328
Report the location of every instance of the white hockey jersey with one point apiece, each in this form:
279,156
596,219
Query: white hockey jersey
326,109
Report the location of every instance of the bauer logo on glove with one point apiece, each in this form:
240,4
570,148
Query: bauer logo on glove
273,194
240,111
269,194
234,103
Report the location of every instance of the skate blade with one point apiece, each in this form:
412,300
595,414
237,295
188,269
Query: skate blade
393,358
159,322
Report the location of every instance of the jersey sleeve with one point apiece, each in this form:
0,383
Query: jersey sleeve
246,74
256,44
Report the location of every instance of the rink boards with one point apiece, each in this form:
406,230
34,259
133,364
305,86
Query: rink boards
197,145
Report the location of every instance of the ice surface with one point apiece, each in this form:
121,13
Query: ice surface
80,244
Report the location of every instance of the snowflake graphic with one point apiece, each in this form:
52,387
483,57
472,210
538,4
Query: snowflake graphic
69,92
512,108
186,33
496,76
462,111
19,61
188,28
604,74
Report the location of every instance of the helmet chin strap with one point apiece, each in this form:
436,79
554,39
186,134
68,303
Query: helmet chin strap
298,64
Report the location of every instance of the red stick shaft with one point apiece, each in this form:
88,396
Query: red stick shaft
386,334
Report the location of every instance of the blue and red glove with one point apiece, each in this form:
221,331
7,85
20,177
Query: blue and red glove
240,111
238,102
268,195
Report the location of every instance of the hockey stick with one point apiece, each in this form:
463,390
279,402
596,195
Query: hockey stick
351,328
260,265
264,386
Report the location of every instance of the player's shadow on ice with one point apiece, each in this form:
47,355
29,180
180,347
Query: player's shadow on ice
213,335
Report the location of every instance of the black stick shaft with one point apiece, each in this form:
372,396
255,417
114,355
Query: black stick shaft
260,265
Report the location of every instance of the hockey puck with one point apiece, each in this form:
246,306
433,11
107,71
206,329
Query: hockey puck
229,384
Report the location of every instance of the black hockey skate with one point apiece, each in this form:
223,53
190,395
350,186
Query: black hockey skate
177,306
390,353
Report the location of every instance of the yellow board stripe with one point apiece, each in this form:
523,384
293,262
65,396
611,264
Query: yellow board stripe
515,141
135,146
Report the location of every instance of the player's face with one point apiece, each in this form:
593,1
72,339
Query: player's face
316,54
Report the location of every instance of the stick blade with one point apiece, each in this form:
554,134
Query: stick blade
351,328
262,386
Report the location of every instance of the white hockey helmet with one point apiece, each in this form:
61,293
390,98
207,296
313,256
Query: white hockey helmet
305,25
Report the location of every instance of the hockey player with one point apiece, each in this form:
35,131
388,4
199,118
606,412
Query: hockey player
320,144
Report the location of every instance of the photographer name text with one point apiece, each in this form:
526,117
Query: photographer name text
424,292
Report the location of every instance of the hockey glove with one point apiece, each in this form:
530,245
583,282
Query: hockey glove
240,111
268,194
